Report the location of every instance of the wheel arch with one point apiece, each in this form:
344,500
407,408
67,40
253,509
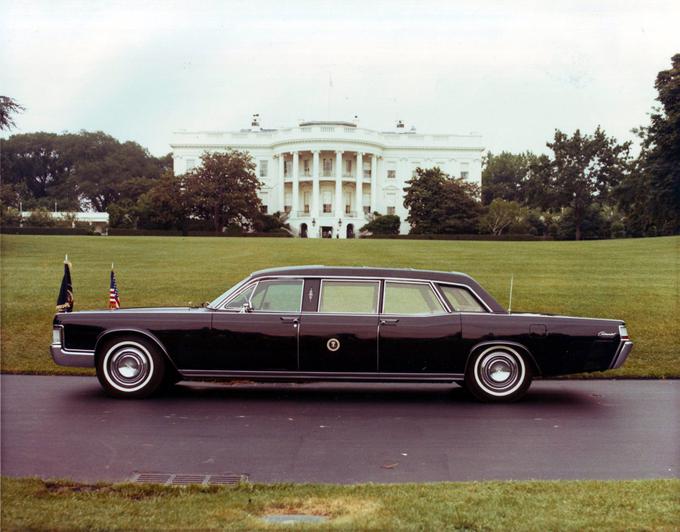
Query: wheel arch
127,332
490,343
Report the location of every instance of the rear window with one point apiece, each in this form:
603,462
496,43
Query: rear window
461,299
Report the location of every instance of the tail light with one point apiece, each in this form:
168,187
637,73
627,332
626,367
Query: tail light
623,332
56,336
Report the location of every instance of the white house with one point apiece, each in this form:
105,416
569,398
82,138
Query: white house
329,176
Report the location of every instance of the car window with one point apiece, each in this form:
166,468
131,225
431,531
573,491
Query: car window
278,295
461,299
410,298
355,297
242,298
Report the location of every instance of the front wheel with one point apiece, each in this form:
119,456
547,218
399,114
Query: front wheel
498,373
130,367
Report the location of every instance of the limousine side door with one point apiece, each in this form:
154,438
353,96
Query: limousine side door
265,337
417,334
340,335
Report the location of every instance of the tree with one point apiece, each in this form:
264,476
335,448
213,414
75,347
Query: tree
37,163
8,107
651,196
387,224
504,176
106,171
166,205
440,204
585,169
500,215
224,189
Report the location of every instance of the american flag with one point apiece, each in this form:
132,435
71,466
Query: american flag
114,300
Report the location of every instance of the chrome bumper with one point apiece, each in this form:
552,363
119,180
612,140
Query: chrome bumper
74,359
621,354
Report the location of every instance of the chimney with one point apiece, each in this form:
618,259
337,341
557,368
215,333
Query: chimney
255,122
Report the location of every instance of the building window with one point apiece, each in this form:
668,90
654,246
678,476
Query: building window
305,164
191,164
391,210
264,168
306,198
367,168
367,209
286,168
326,201
348,168
348,209
391,174
464,170
327,167
287,208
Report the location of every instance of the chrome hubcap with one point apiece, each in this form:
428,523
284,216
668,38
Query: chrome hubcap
128,366
499,372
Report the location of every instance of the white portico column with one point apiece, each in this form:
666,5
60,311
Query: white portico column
339,210
374,183
315,184
282,183
359,185
296,185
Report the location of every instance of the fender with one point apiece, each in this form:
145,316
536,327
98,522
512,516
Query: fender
141,332
502,342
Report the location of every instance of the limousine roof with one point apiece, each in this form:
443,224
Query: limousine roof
386,273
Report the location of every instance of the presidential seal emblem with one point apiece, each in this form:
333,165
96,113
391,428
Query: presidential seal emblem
333,344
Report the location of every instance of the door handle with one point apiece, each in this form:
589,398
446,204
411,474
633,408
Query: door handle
389,322
286,319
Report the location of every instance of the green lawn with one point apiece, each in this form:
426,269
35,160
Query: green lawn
636,280
29,504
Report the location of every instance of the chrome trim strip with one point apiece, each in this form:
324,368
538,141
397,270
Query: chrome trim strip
621,354
323,375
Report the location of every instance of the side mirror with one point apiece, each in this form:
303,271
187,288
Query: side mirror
247,307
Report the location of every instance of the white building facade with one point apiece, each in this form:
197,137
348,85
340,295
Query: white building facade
330,176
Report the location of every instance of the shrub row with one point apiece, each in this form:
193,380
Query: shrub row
508,237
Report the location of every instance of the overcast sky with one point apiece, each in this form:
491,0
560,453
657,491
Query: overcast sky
513,71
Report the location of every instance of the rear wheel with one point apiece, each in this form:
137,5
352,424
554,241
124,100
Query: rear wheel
130,367
498,373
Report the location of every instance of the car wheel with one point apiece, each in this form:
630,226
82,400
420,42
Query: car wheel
130,367
498,373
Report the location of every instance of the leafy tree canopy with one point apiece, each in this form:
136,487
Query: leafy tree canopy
387,224
223,189
440,204
8,107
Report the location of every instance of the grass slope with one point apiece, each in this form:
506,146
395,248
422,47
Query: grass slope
30,504
636,280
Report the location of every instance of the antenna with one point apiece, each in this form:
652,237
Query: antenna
512,277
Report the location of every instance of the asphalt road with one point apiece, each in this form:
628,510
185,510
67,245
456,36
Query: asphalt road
342,433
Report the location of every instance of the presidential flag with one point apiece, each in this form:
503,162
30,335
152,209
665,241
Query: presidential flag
114,299
65,299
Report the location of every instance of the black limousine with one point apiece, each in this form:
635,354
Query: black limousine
339,323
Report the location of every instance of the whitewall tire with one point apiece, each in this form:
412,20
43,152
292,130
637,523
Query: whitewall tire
130,367
498,373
